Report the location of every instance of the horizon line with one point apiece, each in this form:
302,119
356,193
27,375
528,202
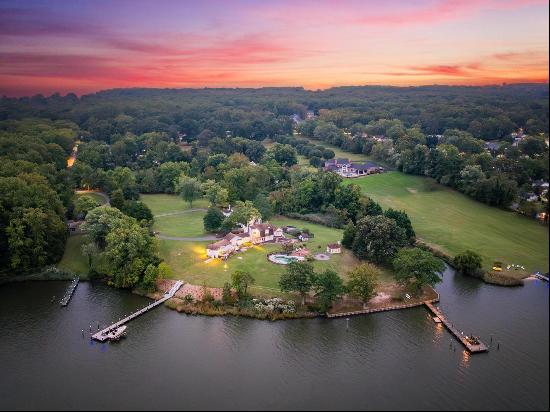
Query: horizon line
79,95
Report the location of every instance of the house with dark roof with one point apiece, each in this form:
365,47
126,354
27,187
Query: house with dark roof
334,248
346,168
255,233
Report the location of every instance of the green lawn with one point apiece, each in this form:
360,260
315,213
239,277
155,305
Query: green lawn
160,204
184,225
454,222
187,259
73,259
187,224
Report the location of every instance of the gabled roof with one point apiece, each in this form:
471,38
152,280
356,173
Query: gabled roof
334,246
231,236
264,228
218,245
364,166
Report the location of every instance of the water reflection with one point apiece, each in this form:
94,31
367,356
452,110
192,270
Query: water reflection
175,361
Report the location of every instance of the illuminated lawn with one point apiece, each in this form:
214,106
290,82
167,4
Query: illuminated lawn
187,259
454,222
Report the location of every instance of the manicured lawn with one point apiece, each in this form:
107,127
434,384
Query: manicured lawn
187,224
162,203
73,259
454,222
187,259
184,225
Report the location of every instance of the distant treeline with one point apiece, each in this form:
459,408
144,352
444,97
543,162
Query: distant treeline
489,112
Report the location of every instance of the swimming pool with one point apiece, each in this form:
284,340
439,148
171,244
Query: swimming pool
284,259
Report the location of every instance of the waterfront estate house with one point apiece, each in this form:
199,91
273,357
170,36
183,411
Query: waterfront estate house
264,232
346,168
334,248
253,233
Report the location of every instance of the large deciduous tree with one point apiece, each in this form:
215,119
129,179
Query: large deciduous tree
328,288
298,277
190,189
213,219
468,263
363,281
416,268
378,238
241,280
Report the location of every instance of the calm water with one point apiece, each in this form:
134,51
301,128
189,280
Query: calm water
170,361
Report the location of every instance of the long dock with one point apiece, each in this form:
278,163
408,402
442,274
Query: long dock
69,293
473,348
376,310
102,335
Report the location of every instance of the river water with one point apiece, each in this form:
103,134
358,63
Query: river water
393,360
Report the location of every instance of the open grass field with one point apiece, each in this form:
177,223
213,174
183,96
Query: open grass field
73,259
183,225
188,224
163,203
453,222
187,259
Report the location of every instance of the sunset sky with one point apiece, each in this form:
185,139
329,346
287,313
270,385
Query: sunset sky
86,46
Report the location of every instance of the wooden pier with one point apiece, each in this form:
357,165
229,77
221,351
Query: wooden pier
376,310
103,334
541,277
473,348
69,293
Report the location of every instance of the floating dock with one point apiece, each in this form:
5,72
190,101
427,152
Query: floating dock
472,347
69,293
105,334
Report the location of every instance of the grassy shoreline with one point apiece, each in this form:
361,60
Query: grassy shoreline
452,222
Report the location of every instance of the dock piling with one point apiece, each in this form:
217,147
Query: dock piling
101,336
480,347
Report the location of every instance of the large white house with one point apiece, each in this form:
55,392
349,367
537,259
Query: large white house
255,233
264,232
345,168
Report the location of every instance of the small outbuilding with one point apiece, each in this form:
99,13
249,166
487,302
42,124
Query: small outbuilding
334,248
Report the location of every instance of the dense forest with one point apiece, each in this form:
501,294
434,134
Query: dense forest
212,142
